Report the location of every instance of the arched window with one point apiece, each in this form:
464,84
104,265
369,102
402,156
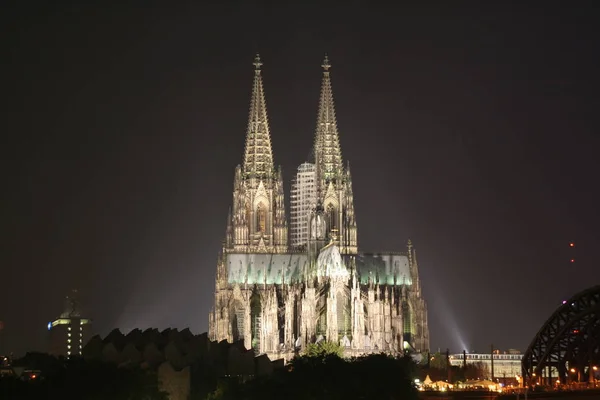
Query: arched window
407,322
238,315
343,316
330,217
322,316
261,218
255,321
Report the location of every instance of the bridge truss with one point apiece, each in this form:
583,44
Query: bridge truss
567,347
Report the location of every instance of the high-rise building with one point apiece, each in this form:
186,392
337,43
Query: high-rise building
69,332
277,297
303,200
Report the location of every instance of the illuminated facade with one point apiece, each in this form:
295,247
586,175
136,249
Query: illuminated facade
68,332
278,297
506,365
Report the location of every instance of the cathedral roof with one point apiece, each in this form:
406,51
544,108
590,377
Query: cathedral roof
274,268
330,263
271,268
385,268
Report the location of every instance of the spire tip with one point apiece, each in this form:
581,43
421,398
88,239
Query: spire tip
257,63
326,65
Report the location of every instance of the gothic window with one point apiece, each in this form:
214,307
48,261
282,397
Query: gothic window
322,316
407,322
261,218
255,320
330,217
343,316
237,321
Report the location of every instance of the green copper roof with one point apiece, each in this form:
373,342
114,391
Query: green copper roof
275,268
272,267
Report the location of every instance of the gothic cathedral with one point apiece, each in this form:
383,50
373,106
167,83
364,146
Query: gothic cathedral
278,296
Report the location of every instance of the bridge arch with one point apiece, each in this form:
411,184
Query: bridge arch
567,347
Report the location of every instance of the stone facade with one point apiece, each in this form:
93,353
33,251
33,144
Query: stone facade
276,298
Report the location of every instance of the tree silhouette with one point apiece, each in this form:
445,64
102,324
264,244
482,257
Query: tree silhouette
82,380
331,377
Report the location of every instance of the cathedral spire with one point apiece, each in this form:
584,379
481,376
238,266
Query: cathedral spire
328,155
258,155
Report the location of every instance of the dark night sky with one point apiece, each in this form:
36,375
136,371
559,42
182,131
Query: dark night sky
474,131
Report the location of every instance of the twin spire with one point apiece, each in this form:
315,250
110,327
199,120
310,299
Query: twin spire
328,154
258,155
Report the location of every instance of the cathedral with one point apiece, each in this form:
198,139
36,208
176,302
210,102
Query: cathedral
280,286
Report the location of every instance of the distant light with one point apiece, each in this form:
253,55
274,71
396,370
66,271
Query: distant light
571,244
33,376
564,302
49,325
572,260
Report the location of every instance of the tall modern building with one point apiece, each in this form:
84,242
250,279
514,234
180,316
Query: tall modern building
69,332
277,297
303,200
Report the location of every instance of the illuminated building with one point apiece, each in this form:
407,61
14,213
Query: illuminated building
68,333
303,199
277,297
506,365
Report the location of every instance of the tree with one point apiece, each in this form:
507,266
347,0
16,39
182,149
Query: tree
438,361
79,379
327,376
324,349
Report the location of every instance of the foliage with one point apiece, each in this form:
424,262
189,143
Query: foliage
476,370
227,389
438,370
438,360
328,376
82,380
324,349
